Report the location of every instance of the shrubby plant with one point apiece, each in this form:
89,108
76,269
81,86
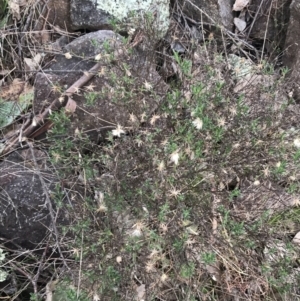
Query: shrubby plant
178,182
188,198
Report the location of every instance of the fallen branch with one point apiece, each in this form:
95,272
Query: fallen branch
38,120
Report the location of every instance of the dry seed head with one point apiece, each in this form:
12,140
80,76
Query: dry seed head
221,122
161,166
174,157
77,132
256,183
198,123
150,266
34,123
174,192
297,142
139,142
75,252
77,90
153,119
102,208
296,202
118,131
132,118
55,88
266,171
153,254
148,86
137,229
131,31
164,228
190,242
102,71
233,111
164,143
96,297
163,277
98,57
188,150
143,117
90,87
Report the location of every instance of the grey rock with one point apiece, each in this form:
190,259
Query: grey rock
291,56
85,14
211,13
24,214
109,108
270,19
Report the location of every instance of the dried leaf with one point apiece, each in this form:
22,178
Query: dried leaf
296,239
141,290
33,64
96,297
240,24
14,8
13,90
71,105
214,271
50,287
68,55
98,57
4,72
240,5
174,157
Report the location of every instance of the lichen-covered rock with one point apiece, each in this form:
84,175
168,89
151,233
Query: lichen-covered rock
88,14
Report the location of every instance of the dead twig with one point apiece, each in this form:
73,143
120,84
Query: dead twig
39,120
48,203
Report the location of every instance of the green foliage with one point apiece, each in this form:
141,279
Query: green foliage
187,270
91,98
65,292
209,257
3,13
170,180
